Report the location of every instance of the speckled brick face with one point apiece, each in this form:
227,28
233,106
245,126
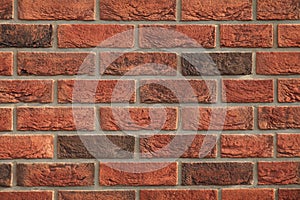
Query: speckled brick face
149,99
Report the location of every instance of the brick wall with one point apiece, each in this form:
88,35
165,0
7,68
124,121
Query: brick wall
156,99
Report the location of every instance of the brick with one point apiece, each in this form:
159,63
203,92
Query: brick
203,64
95,35
246,146
288,145
247,91
194,10
55,174
21,195
6,63
94,91
29,63
278,9
279,117
278,173
288,90
137,174
178,194
246,35
56,10
6,9
26,146
178,91
237,194
115,118
6,119
230,173
25,35
276,63
234,118
55,119
172,36
82,195
100,147
5,175
289,35
138,63
175,146
14,91
156,10
288,194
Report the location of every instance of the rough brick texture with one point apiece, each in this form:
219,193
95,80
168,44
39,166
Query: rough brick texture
194,10
6,9
235,194
55,174
178,194
246,35
32,195
289,35
6,119
138,10
82,195
288,90
288,145
6,63
5,175
288,194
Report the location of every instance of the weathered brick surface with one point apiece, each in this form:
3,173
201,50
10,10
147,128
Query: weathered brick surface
82,195
21,195
5,175
52,64
246,35
6,63
6,119
288,90
55,174
194,10
289,35
14,91
56,10
235,194
138,10
288,145
26,36
178,194
6,9
288,194
233,173
134,174
246,146
29,146
247,91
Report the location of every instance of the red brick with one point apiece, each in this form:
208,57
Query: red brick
194,10
289,35
94,91
95,35
137,174
5,175
109,195
26,35
115,118
178,91
288,145
237,194
278,9
230,173
6,121
55,118
14,91
26,146
178,194
21,195
156,10
171,36
29,63
288,194
276,63
279,117
55,174
138,63
246,35
247,91
175,146
56,10
6,9
234,118
6,63
288,90
246,146
278,173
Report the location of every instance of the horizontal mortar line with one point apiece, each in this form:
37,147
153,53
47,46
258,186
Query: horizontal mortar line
148,22
151,160
128,188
